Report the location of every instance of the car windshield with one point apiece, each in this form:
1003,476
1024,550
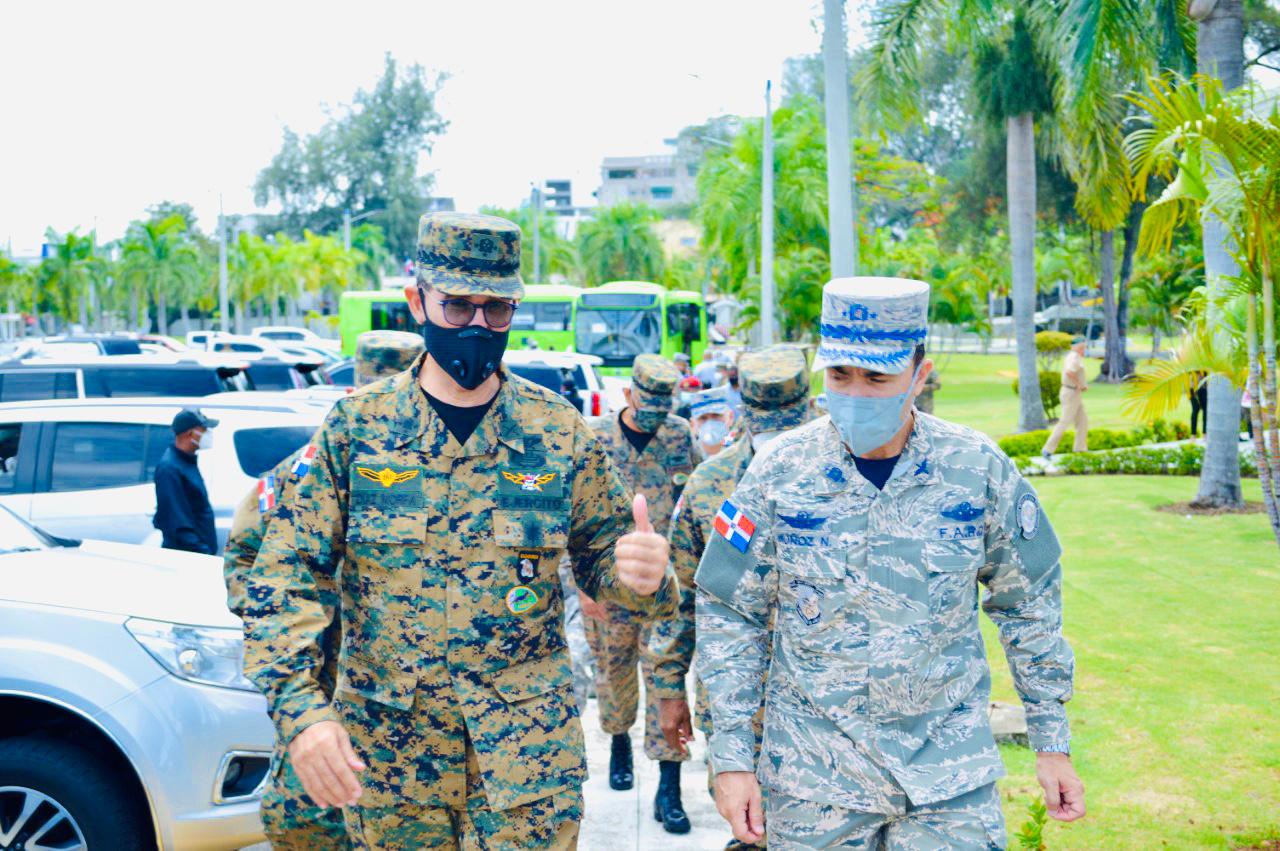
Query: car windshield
273,376
618,335
260,449
18,537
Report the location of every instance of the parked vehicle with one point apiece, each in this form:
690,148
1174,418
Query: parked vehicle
86,468
342,373
87,345
274,374
120,375
552,369
126,721
293,334
309,352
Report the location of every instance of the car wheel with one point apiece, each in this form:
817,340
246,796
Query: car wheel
54,795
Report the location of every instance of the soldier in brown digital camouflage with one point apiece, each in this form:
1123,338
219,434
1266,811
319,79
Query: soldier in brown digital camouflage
775,398
438,503
653,450
289,818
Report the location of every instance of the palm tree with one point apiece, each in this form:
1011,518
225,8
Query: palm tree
557,255
1013,76
14,280
70,270
160,259
620,244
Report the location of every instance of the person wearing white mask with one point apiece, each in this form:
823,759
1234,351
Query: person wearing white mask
183,513
712,419
862,539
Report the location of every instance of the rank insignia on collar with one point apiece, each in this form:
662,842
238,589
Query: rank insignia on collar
387,477
521,599
527,565
529,481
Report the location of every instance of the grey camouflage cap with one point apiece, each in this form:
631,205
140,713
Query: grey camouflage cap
380,354
470,254
872,323
774,384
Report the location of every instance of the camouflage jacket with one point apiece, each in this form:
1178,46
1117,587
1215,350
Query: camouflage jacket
878,683
448,554
660,472
671,643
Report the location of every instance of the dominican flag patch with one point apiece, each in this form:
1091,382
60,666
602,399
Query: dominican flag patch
267,493
734,526
303,464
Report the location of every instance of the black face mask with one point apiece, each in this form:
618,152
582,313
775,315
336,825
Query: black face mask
469,354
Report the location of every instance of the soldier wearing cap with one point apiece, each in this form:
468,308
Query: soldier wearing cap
1071,395
653,450
289,819
712,419
775,395
447,494
866,533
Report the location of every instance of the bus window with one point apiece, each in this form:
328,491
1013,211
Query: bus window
682,322
542,316
618,335
392,316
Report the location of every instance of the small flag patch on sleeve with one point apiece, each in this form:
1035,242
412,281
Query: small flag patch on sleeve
267,493
303,464
734,526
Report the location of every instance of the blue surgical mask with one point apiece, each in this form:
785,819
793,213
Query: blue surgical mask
713,432
868,422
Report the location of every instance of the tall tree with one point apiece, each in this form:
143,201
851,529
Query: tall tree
160,259
70,271
620,244
364,158
557,255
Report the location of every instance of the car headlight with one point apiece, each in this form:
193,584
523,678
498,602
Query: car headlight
210,655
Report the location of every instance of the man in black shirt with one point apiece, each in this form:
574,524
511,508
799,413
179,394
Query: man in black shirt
183,513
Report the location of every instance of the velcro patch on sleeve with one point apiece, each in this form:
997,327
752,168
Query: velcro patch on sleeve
1032,534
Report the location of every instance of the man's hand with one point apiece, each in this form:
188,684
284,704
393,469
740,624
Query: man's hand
591,608
738,800
641,556
677,726
1063,790
325,762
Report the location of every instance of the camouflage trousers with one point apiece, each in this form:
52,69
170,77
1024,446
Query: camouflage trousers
549,823
969,822
291,821
617,647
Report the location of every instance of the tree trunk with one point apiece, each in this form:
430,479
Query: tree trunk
1131,230
275,311
1113,362
237,315
1220,53
1155,341
1021,176
84,308
162,313
186,317
139,311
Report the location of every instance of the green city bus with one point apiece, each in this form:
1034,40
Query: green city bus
622,319
545,317
372,310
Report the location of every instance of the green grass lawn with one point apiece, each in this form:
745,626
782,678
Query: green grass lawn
977,390
1176,632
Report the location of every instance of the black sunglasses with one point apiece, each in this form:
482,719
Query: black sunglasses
459,312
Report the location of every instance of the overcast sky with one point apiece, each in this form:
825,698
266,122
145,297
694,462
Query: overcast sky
111,107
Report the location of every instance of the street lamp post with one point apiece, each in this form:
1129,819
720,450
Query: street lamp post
224,301
536,200
348,220
839,172
766,222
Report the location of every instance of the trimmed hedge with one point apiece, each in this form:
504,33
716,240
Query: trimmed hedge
1050,385
1031,442
1184,460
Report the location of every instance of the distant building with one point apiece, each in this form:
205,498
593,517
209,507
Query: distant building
661,180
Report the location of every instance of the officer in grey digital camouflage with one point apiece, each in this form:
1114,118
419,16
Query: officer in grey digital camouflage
866,533
775,397
652,449
439,502
713,421
289,818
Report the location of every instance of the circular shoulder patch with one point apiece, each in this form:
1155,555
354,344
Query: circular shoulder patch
1028,515
680,479
521,599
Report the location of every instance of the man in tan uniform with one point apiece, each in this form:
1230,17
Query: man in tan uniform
1074,385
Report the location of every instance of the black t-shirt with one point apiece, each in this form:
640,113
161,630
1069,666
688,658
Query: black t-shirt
876,470
461,422
638,439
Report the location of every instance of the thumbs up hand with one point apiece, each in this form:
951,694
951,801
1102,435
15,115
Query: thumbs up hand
642,555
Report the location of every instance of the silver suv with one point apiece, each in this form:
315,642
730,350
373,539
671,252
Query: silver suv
125,719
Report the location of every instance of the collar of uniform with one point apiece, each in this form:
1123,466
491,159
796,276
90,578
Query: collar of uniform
416,421
918,465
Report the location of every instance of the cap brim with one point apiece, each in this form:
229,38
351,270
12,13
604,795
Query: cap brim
209,422
457,283
889,360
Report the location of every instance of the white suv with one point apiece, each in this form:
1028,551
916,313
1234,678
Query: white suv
85,468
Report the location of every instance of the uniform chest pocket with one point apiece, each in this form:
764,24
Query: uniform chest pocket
812,594
952,572
379,542
545,530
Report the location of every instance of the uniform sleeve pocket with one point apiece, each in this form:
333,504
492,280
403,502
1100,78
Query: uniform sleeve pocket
376,682
533,678
538,529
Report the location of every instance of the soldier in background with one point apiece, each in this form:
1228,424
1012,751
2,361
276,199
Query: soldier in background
448,494
652,449
865,534
775,396
289,818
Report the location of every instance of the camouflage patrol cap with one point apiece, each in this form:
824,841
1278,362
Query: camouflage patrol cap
653,383
774,384
469,254
383,353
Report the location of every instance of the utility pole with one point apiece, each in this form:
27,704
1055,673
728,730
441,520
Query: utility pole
536,200
766,222
839,173
224,307
346,229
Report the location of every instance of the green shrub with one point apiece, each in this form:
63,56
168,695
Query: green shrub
1184,460
1031,442
1050,347
1050,385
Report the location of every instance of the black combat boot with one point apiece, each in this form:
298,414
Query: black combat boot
667,807
620,774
